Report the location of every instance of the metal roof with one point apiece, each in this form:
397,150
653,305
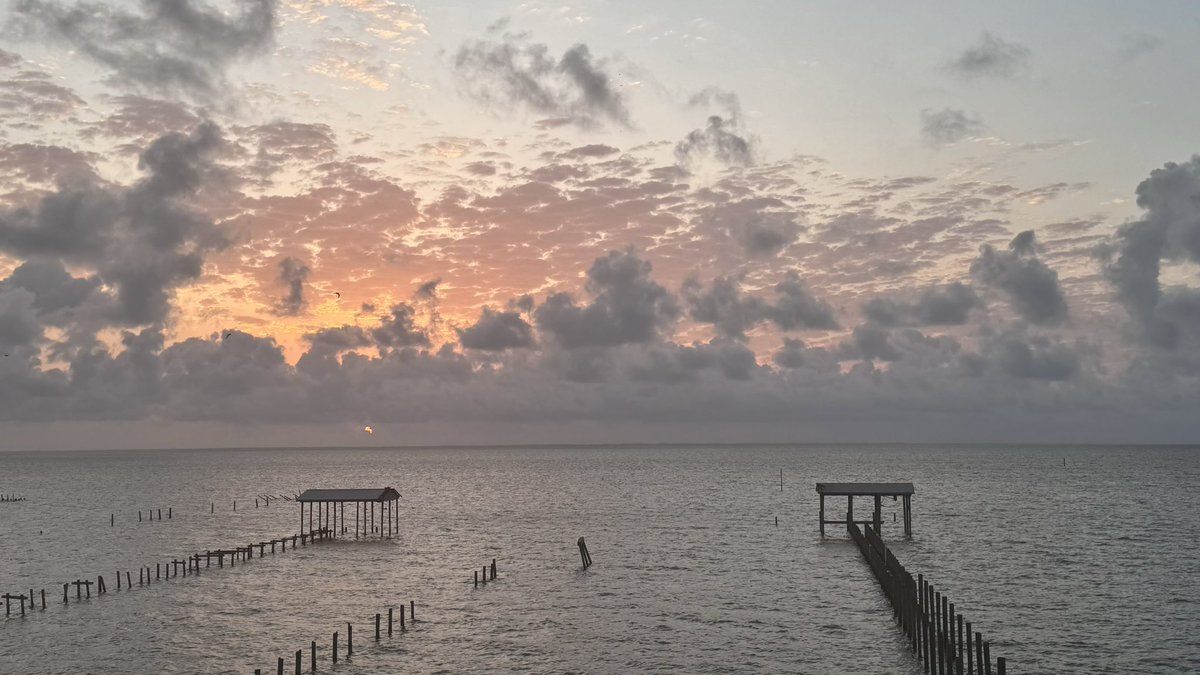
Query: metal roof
386,494
857,489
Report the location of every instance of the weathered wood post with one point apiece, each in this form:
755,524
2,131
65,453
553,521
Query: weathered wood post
279,666
979,653
970,659
377,626
43,598
821,516
299,652
402,617
313,660
485,574
493,568
987,658
389,622
128,579
335,646
349,639
476,578
65,593
1000,665
412,610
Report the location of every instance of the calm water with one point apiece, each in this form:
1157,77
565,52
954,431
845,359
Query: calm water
1085,568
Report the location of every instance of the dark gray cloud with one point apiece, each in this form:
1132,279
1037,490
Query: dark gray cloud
791,354
180,46
720,140
627,306
399,330
292,274
508,72
762,226
991,57
1135,45
948,125
732,314
53,288
428,290
1169,231
868,342
1034,357
497,331
935,306
1032,287
143,241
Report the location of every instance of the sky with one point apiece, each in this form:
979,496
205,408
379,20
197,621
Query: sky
279,222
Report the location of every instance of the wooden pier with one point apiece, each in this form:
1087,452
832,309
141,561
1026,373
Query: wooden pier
875,490
331,510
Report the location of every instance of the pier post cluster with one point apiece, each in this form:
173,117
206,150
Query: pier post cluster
583,554
485,573
189,564
940,637
335,645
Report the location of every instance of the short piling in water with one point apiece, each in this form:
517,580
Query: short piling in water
299,652
335,648
349,639
377,626
313,660
583,554
389,622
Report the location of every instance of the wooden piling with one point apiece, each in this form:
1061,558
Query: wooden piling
402,618
43,598
65,593
476,578
128,583
412,610
389,622
493,568
349,639
299,652
335,646
987,658
377,626
313,660
1000,665
279,666
485,574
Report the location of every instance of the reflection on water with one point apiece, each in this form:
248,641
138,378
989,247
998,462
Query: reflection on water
1080,568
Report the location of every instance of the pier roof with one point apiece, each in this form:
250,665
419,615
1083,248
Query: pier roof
386,494
865,489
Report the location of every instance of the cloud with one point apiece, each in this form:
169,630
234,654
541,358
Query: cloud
399,330
733,314
509,72
428,290
1032,287
143,241
718,141
762,226
935,306
1036,357
181,46
293,274
723,138
497,331
948,126
1136,45
627,306
991,57
1168,231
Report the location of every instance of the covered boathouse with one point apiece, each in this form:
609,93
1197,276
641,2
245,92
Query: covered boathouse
875,490
331,511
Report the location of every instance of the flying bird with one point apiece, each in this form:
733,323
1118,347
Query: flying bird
337,294
368,429
228,334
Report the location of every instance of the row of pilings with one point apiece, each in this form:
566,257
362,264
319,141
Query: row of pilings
938,634
192,564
